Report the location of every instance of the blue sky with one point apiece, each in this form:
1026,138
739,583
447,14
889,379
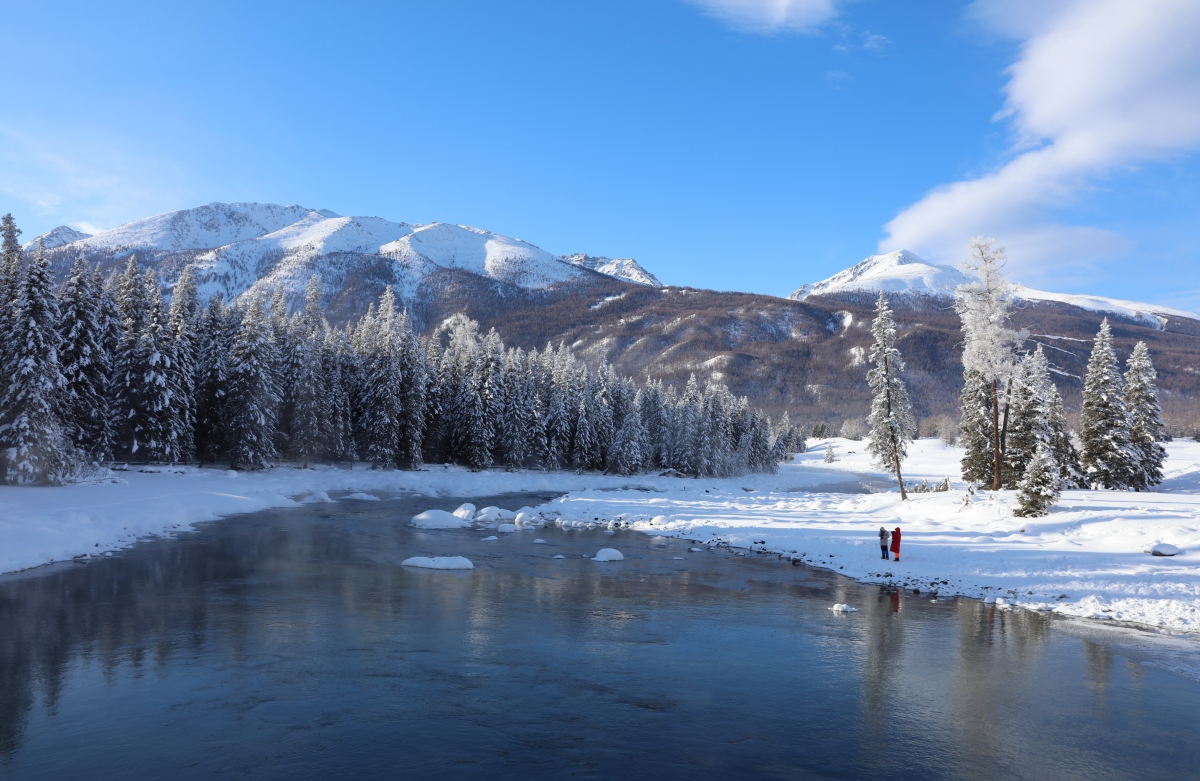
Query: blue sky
732,144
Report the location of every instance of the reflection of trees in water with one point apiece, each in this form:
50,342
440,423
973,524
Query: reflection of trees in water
881,663
994,647
277,580
1098,661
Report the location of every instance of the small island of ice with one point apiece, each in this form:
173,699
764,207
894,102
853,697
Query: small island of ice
438,562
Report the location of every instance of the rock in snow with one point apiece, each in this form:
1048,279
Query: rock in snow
539,541
609,554
438,562
439,519
315,497
840,608
466,511
1164,549
493,538
362,497
506,528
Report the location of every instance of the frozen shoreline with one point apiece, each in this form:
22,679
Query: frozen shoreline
1090,548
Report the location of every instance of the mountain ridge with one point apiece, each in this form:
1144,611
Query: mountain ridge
902,272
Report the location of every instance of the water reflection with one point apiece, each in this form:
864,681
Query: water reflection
292,643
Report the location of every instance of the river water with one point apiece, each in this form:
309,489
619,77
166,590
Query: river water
291,644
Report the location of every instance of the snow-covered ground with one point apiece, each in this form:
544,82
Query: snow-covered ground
1085,559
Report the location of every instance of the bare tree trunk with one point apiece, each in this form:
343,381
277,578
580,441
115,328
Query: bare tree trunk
996,435
896,461
1004,425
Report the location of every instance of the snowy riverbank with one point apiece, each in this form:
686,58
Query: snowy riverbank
1089,549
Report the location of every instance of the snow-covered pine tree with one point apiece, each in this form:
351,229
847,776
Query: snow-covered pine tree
829,457
891,420
762,458
433,438
476,443
154,425
983,306
413,389
213,349
84,363
630,439
308,399
384,399
512,431
976,432
1039,486
1066,457
1146,427
183,323
1029,416
11,263
37,450
253,399
582,455
1108,456
492,391
339,429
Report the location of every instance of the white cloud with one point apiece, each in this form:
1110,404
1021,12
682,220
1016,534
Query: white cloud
767,16
1100,85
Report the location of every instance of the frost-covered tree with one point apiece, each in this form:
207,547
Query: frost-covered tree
86,416
1108,456
581,457
253,399
829,456
976,429
1039,485
988,350
891,420
37,450
1066,456
1146,427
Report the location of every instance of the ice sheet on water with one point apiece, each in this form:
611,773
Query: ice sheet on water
840,608
438,562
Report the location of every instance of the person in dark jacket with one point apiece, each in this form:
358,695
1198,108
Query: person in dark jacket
884,536
896,543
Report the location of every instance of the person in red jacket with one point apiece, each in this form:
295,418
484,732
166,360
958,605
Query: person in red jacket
896,544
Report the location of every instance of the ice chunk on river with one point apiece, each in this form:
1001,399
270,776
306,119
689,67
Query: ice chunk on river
609,554
438,562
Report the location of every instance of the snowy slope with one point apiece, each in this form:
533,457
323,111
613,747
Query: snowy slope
627,269
904,272
203,227
483,252
58,237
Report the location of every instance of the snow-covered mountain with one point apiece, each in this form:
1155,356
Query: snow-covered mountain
58,237
236,247
204,227
904,273
482,252
622,268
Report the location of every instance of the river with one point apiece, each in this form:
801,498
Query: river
291,644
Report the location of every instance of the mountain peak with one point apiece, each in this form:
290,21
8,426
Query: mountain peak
627,269
58,237
894,272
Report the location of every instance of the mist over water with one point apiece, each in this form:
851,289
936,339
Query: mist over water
292,644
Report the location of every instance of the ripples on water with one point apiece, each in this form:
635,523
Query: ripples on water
290,644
